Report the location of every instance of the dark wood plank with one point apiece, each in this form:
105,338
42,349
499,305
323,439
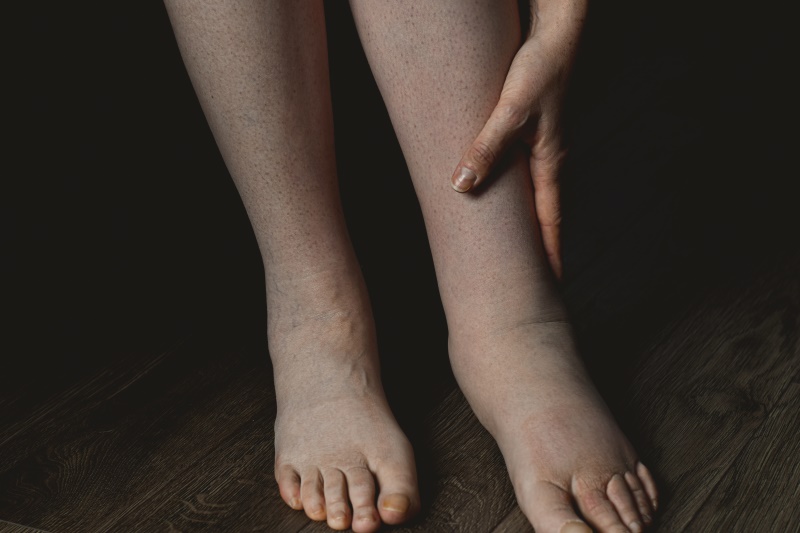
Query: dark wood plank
9,527
514,522
108,455
231,488
710,383
760,491
41,413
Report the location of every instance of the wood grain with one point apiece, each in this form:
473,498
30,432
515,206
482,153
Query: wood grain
108,455
8,527
758,490
182,439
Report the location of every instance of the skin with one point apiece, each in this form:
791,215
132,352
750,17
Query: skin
441,68
528,113
260,72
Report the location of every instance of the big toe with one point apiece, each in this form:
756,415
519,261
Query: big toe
399,496
611,508
550,510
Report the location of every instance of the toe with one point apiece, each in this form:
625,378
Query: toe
361,486
599,511
399,497
639,494
649,484
337,508
289,486
549,508
311,493
620,495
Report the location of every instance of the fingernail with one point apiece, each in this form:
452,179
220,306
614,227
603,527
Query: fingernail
465,180
635,527
397,503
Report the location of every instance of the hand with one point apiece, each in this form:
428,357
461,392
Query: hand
529,111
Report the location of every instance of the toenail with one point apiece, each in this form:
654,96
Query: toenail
365,517
635,527
294,503
647,519
397,503
338,515
574,526
317,510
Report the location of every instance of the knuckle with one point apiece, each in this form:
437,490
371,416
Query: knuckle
361,486
547,165
512,116
482,154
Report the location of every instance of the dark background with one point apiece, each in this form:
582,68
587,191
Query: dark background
122,228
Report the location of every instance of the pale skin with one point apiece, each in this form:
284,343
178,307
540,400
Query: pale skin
260,72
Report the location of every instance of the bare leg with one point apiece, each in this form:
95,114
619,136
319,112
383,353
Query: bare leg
440,67
260,72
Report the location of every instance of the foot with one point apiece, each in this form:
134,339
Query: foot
569,462
335,435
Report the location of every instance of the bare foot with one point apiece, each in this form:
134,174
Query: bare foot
561,445
334,433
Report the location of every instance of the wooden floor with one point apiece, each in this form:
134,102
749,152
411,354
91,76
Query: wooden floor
178,437
136,389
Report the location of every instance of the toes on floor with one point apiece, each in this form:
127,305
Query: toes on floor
626,504
648,483
621,497
289,486
330,494
311,492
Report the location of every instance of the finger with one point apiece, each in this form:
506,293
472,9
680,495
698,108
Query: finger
546,158
503,127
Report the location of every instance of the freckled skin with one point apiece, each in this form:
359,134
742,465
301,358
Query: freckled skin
260,71
440,67
259,68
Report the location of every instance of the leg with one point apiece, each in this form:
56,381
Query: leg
440,67
260,72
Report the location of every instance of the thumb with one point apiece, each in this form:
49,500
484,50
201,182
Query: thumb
501,130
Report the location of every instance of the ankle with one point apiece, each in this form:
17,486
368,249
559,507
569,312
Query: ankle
305,293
